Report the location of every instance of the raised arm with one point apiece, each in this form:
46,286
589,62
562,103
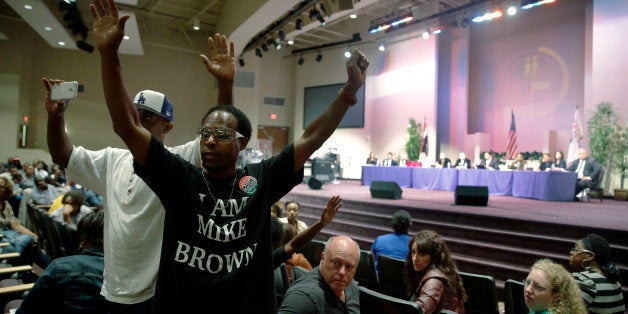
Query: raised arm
221,63
59,143
300,240
325,124
108,33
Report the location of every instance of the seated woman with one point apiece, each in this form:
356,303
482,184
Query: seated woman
596,275
371,160
431,275
549,288
559,161
20,239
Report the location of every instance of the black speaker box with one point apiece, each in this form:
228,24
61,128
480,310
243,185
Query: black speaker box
385,189
471,195
314,184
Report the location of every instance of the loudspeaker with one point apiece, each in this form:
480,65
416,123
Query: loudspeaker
471,195
314,184
321,169
385,189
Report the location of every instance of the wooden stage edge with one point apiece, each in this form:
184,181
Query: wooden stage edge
611,214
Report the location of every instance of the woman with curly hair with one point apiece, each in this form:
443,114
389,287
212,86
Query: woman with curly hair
596,275
431,275
550,288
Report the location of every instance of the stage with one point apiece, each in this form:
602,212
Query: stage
611,214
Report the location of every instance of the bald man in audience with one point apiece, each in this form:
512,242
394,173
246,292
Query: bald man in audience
328,288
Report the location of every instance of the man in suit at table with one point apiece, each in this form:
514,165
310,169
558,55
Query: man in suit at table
489,162
588,170
389,161
463,161
443,161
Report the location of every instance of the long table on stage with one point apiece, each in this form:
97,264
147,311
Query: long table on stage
401,175
542,185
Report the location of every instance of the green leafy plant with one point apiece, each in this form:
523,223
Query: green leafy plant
607,140
413,145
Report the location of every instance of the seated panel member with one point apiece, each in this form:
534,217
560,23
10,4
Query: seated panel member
546,162
389,161
443,161
519,163
489,162
462,161
588,170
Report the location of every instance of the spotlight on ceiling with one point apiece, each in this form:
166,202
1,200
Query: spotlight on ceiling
381,46
264,47
258,52
301,60
319,57
241,61
282,35
298,24
197,25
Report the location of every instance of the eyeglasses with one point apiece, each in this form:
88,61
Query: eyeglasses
221,134
576,251
535,286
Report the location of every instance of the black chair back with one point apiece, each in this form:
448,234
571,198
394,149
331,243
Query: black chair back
53,244
481,292
390,274
67,235
514,301
373,302
281,282
313,250
365,274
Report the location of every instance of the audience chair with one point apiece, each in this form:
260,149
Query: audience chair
481,292
313,250
281,282
52,246
373,302
514,301
598,192
365,274
390,274
69,243
12,289
298,271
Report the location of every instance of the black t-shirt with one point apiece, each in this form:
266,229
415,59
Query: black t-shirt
216,250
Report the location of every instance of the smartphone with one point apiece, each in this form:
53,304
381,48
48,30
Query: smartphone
64,91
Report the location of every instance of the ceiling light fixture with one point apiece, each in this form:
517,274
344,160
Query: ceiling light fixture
241,62
197,25
301,60
319,57
298,24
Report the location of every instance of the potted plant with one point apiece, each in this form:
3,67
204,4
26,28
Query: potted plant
607,140
621,161
413,145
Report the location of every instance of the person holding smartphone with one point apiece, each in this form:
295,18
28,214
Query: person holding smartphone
133,214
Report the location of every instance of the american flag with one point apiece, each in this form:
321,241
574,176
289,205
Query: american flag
423,148
511,149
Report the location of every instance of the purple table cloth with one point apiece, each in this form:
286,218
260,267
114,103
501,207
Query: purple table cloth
444,179
545,185
498,182
401,175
